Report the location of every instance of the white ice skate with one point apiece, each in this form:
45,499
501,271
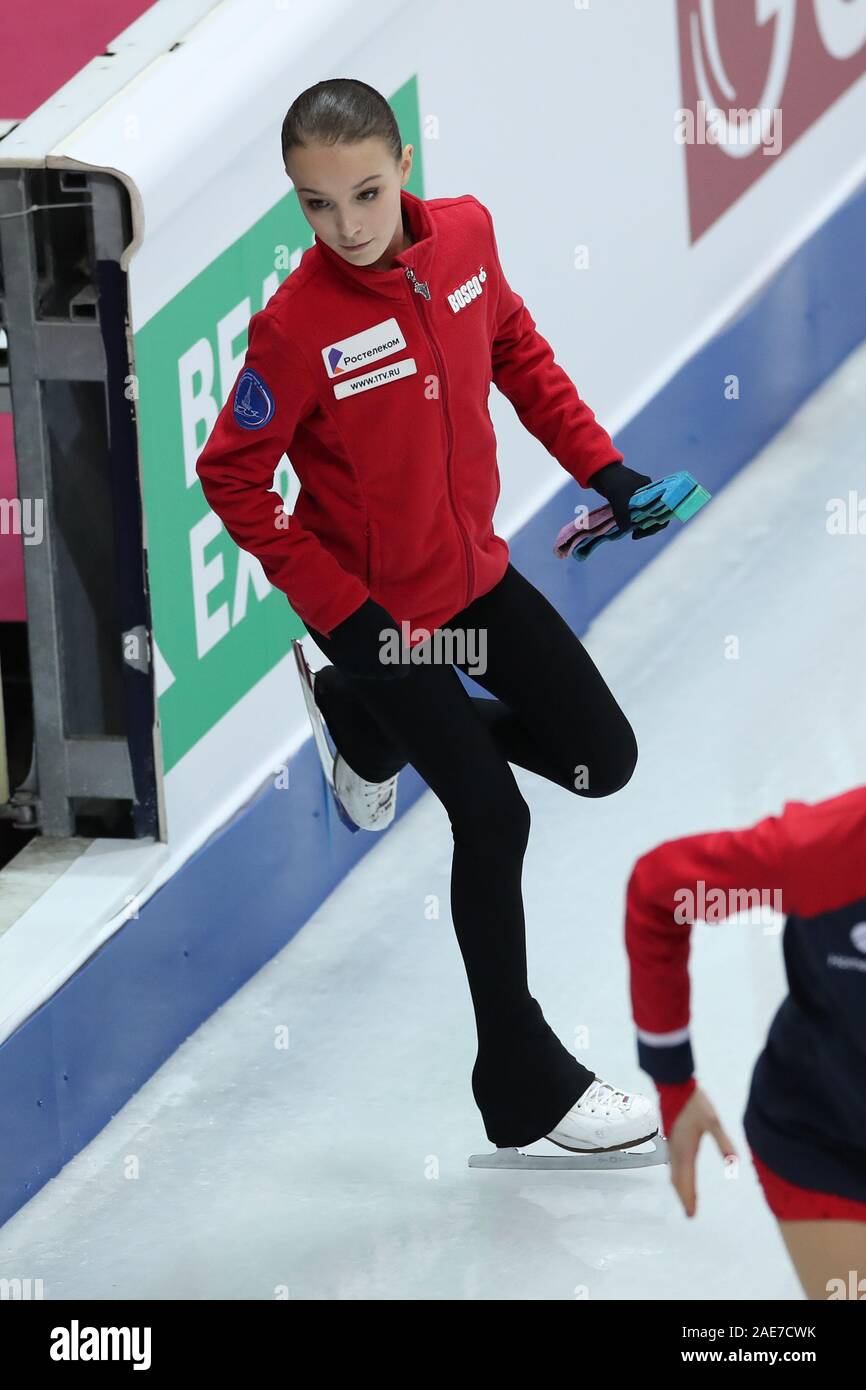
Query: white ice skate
599,1130
361,805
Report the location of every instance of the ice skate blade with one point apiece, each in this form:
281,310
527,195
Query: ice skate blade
326,757
610,1158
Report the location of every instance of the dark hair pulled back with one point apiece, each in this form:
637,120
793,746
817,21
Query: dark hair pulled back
340,110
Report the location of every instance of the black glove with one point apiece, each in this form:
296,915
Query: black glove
359,649
617,484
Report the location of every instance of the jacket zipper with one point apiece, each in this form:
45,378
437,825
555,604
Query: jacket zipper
421,287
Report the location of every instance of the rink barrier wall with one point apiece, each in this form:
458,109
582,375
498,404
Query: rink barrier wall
257,881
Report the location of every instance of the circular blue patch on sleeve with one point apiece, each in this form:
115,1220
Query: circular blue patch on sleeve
254,402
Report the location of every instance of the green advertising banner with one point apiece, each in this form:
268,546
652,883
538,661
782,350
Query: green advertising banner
218,625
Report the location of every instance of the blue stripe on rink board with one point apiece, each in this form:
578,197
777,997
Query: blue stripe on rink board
258,880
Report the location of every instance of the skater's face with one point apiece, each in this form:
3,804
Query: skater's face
350,195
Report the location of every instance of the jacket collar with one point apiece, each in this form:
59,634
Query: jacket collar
418,257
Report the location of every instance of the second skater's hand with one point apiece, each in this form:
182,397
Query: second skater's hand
696,1119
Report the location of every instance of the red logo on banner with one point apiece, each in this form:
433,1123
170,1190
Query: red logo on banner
755,75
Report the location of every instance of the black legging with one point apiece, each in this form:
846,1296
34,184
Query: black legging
553,714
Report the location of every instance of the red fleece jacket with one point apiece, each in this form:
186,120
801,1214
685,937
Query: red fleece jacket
375,384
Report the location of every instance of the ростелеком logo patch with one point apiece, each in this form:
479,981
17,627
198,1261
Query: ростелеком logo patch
254,402
363,349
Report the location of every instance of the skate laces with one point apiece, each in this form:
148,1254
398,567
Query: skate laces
604,1098
378,795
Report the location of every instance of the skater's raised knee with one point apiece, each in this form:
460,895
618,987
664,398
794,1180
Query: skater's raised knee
609,773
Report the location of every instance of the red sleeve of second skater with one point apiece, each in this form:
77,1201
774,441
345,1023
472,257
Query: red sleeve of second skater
808,860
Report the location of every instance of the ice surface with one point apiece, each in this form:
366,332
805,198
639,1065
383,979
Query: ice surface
336,1168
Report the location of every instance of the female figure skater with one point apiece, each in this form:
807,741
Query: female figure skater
371,367
806,1114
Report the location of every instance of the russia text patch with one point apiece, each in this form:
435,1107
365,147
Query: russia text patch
254,401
